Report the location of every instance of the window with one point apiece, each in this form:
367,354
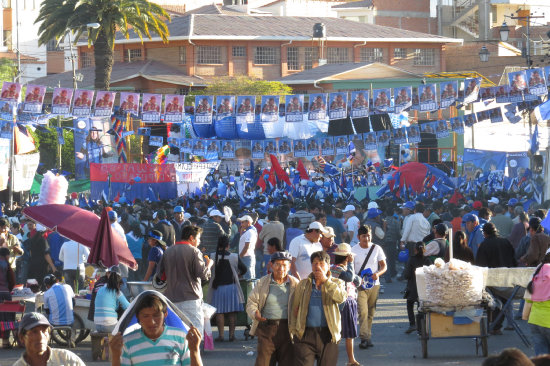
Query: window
424,57
6,3
183,55
209,55
310,56
133,54
86,59
53,46
537,48
7,39
292,58
238,51
337,55
400,52
266,56
372,55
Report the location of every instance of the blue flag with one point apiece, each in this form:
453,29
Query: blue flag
542,111
535,141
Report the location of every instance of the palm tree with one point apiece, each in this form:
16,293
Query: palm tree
125,16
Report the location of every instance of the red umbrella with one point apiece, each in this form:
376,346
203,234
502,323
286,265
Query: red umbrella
81,226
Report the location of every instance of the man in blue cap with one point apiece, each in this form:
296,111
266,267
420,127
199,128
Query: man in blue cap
473,230
178,222
512,202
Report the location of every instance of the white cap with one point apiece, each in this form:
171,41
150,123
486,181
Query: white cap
245,218
494,200
349,208
372,204
215,213
329,232
316,225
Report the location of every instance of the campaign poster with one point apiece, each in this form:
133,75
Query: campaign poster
203,109
61,100
156,141
82,104
517,163
284,147
483,116
129,103
212,146
477,161
327,146
92,144
225,106
312,147
270,108
34,99
294,105
415,102
381,100
299,148
502,94
10,92
441,129
428,100
517,83
144,131
403,98
341,144
470,120
6,131
338,105
448,93
495,115
488,93
270,146
369,141
198,147
150,108
359,104
428,127
104,103
173,108
186,145
413,133
228,149
400,136
471,90
317,107
257,149
547,74
383,138
457,125
245,110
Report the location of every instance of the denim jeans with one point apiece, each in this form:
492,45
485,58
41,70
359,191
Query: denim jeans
250,262
541,339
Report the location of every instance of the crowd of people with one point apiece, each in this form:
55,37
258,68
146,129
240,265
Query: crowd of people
318,266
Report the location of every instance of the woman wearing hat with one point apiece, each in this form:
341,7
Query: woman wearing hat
343,269
158,246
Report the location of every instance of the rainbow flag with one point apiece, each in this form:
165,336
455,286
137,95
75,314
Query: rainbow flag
159,156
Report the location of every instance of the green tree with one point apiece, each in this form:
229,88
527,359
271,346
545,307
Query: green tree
243,85
125,16
8,70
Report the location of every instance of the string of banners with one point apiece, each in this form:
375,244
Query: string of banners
525,85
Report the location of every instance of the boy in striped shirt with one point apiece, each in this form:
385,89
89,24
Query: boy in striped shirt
155,343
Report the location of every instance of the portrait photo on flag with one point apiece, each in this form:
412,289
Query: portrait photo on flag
270,108
457,125
359,104
257,149
270,147
34,98
428,101
501,94
381,99
312,147
383,138
327,146
82,104
246,109
341,144
338,105
129,103
228,149
294,108
284,147
10,92
413,134
61,100
317,106
225,106
150,108
173,108
448,93
403,98
104,101
203,109
299,148
471,89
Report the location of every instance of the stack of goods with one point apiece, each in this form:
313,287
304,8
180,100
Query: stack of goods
455,283
53,189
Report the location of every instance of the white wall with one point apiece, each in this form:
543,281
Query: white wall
301,8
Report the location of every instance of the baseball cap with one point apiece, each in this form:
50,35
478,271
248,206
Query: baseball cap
469,217
31,320
178,209
214,213
343,249
349,208
494,200
329,233
286,256
115,269
408,205
244,218
49,280
316,225
113,215
372,204
373,212
477,205
512,202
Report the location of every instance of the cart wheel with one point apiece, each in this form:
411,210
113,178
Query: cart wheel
424,337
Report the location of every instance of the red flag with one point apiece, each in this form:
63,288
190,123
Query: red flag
275,166
117,198
23,143
302,170
261,181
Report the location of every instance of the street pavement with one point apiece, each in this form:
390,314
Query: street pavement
391,345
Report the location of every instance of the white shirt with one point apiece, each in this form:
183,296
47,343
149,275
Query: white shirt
73,255
353,225
415,228
360,255
249,236
301,249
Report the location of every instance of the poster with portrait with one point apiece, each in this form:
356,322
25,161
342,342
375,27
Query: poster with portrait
495,115
299,148
381,100
257,149
341,144
82,104
536,81
327,145
457,125
294,105
415,102
403,98
547,74
383,138
270,146
198,147
173,108
488,93
448,93
212,146
157,141
317,108
428,127
517,163
428,101
186,145
246,109
225,106
471,90
6,129
129,103
203,109
10,92
441,129
470,119
228,149
501,94
172,142
270,108
103,106
477,161
399,136
144,131
369,141
284,147
92,144
483,116
359,104
34,98
413,134
61,100
312,147
150,108
517,83
338,105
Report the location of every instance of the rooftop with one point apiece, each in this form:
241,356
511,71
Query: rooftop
354,5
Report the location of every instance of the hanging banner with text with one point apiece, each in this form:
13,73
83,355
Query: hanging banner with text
24,170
